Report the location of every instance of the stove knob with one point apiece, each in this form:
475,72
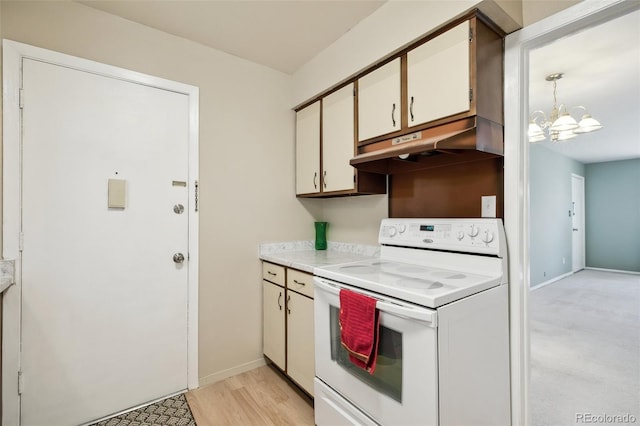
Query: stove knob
488,236
392,231
474,231
402,228
460,235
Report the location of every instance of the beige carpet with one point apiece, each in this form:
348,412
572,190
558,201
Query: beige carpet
585,350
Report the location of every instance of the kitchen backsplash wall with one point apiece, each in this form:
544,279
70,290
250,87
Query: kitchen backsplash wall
451,191
351,219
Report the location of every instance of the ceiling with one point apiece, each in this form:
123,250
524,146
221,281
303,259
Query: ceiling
601,65
282,35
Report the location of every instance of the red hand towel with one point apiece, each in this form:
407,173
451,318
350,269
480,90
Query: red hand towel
359,326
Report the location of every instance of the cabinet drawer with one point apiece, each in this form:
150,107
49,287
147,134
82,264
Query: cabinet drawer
300,282
273,273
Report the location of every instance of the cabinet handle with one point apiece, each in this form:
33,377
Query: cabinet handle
315,178
271,273
324,179
279,297
393,115
411,108
288,305
299,282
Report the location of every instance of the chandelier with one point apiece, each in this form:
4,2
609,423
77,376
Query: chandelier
559,125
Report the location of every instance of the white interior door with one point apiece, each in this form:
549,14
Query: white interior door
577,223
104,306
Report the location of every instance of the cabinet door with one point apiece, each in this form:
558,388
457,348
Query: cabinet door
438,79
308,149
273,342
300,344
379,101
338,141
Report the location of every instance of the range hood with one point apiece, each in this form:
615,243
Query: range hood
469,139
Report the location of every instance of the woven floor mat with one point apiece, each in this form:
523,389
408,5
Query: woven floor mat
173,411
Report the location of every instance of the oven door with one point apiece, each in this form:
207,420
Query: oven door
404,388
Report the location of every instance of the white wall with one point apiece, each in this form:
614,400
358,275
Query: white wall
385,31
536,10
246,158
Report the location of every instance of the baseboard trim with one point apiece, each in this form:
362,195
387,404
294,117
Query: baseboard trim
221,375
613,270
551,281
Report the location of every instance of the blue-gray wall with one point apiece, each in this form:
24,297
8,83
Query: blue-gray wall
612,197
550,223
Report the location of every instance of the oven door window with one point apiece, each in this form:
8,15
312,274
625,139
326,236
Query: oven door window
387,378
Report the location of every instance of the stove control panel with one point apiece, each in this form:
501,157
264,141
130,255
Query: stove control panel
485,236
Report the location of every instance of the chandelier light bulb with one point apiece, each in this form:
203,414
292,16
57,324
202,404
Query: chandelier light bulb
588,124
565,135
563,123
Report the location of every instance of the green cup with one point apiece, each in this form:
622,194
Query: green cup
321,235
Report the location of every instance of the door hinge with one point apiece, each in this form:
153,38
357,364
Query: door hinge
21,241
20,383
470,35
196,195
470,95
21,98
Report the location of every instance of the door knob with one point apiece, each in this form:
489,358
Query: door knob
178,257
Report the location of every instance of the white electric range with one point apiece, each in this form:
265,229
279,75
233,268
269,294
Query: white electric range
443,355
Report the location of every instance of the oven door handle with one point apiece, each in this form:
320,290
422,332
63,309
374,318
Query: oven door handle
401,310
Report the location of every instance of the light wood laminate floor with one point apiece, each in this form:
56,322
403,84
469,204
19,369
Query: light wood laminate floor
258,397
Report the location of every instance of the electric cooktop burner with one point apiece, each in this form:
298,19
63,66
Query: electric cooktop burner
430,262
419,284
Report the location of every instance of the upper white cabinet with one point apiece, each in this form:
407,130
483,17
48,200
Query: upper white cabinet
438,77
338,140
327,126
308,149
379,101
453,75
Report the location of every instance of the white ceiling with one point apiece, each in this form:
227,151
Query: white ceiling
282,35
601,64
601,67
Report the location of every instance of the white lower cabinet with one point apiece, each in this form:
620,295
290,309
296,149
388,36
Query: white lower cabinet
288,339
273,323
300,344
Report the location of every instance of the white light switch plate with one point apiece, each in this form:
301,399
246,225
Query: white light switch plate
489,206
117,194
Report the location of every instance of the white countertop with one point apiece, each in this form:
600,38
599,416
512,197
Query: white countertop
303,256
7,274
